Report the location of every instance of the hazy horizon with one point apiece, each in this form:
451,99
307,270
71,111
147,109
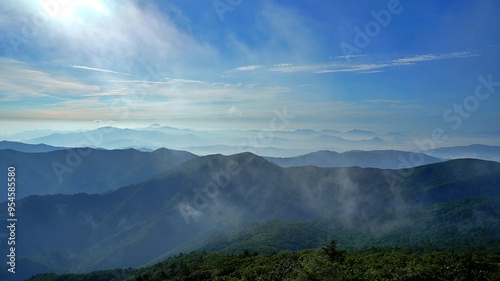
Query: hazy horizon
264,142
377,124
384,67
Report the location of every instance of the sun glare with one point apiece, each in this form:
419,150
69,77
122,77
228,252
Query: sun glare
69,11
96,5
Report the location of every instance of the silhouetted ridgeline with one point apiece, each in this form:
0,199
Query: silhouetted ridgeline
450,206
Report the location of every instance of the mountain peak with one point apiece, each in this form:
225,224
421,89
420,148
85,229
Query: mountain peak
305,131
155,126
320,152
162,149
358,131
244,159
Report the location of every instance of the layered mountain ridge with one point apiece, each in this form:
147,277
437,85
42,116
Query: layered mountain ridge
142,222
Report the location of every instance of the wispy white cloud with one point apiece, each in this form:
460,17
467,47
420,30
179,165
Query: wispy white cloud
407,106
115,37
363,68
371,71
379,66
384,101
287,30
395,104
234,111
347,57
247,68
138,82
359,66
184,81
98,69
21,80
187,90
431,57
288,67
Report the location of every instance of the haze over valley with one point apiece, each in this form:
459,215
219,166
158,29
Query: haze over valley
249,140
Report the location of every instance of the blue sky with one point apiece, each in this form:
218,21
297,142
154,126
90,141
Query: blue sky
227,64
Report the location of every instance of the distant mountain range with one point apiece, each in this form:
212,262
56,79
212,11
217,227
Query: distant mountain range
477,151
277,143
383,159
111,138
24,147
56,170
140,223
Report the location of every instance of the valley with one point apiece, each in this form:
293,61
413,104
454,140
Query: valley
244,203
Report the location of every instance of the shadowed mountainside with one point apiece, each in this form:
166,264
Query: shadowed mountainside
383,159
29,148
71,171
137,224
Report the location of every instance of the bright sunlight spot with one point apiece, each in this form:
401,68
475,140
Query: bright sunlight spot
70,11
